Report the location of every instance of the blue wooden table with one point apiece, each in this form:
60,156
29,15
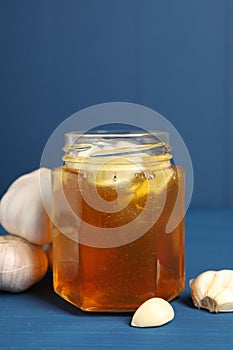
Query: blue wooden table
39,319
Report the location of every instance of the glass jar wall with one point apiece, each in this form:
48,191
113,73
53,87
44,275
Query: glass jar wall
118,206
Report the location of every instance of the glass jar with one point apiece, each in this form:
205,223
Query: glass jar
118,218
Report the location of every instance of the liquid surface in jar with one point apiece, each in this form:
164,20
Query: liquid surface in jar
126,272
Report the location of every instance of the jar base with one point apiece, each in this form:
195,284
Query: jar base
90,305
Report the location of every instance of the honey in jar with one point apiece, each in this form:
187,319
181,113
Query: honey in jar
118,206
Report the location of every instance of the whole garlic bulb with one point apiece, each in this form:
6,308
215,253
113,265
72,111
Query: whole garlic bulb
22,210
22,264
213,290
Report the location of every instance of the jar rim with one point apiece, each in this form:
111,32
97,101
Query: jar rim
71,137
96,145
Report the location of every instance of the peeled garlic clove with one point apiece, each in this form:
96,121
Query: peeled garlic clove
153,312
213,290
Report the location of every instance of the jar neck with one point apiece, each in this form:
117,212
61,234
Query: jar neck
118,149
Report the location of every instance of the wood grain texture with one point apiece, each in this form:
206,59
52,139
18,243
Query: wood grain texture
39,319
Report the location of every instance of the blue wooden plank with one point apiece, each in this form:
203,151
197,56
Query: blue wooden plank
39,319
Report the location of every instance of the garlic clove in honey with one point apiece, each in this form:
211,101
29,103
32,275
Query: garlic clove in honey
213,290
153,312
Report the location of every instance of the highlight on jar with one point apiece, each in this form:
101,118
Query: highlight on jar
113,200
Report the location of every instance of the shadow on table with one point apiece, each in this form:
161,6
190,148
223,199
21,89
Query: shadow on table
185,299
44,291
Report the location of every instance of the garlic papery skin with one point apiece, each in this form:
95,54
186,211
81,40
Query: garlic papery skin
22,264
213,290
153,312
22,210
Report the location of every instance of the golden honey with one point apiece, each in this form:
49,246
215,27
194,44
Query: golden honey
118,229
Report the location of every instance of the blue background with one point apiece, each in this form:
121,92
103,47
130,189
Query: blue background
176,57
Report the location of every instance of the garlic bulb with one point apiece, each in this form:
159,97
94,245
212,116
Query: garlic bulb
22,210
213,290
153,312
21,264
